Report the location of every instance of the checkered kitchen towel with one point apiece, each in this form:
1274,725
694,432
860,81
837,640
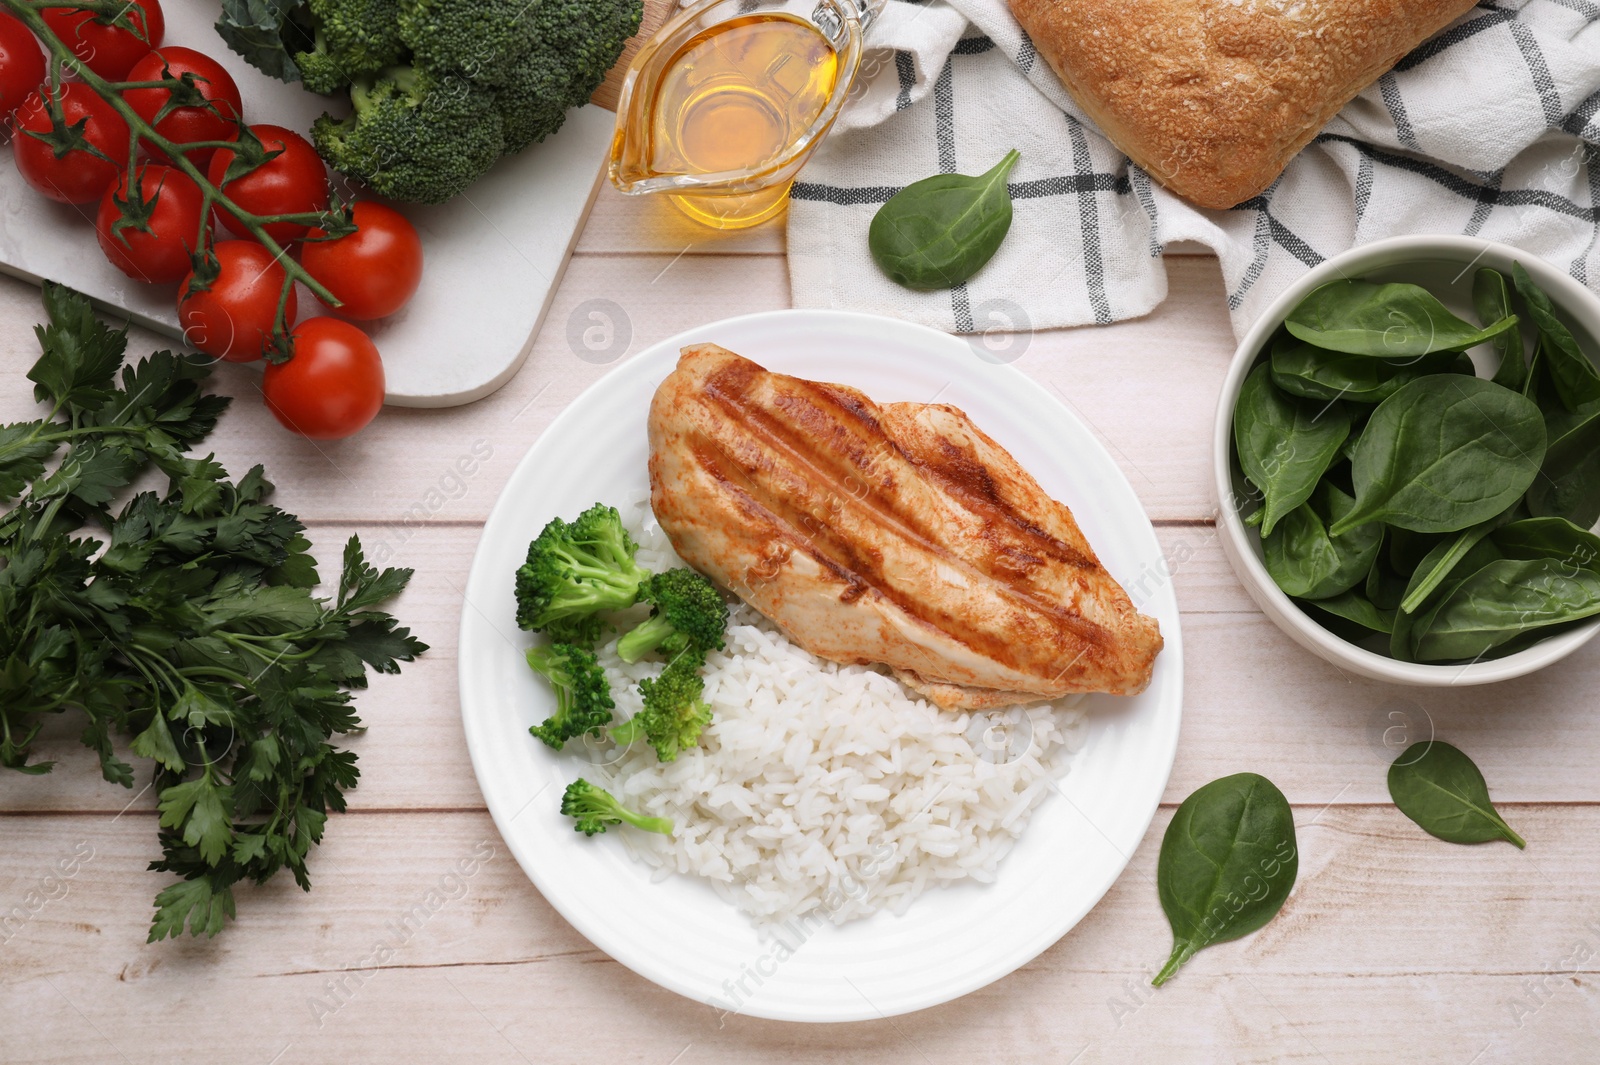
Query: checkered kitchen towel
1491,129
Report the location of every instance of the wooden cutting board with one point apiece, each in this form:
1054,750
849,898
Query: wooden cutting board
492,257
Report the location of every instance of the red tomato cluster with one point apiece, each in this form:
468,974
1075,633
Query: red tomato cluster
149,220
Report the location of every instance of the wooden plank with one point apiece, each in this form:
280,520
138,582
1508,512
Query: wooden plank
1254,700
1394,947
1117,378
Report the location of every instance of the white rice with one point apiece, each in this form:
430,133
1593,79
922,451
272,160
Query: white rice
827,789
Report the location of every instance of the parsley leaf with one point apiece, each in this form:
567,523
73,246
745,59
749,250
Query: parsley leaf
183,621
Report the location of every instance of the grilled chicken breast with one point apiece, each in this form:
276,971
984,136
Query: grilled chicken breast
897,533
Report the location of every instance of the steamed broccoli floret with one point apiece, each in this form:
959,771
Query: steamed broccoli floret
594,808
577,41
478,40
413,135
583,698
674,714
574,571
689,614
351,39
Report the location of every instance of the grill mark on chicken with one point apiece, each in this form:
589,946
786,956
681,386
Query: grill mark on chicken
751,472
801,450
972,483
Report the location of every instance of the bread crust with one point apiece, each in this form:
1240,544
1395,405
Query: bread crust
1214,97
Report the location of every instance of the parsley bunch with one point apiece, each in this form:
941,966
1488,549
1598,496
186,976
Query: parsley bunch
183,618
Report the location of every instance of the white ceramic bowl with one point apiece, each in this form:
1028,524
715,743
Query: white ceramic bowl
1445,266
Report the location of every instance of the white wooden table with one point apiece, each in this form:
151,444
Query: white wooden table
1393,948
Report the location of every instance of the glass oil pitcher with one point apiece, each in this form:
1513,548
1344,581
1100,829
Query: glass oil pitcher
723,105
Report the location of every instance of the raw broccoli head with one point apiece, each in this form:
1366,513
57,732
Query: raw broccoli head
480,39
576,570
413,135
418,134
593,808
583,697
689,614
674,714
576,42
351,39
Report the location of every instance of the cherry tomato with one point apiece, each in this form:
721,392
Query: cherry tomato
109,51
233,319
332,386
21,63
161,255
292,182
374,270
77,176
186,125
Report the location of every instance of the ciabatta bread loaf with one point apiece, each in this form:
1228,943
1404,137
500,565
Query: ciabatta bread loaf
1214,97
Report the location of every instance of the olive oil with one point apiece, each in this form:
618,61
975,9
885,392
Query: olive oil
733,98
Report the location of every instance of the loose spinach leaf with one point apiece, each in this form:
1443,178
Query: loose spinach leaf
1443,453
1502,601
1555,538
938,232
1355,607
1440,788
1568,485
1491,298
1306,562
1576,380
1228,861
1387,321
1285,445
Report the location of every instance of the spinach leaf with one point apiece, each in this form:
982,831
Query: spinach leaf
1530,385
1310,372
1402,641
1307,563
1389,321
1568,485
1577,381
1384,586
1491,298
937,232
1443,453
1228,861
1438,563
1440,788
1284,445
1356,607
1502,601
1555,538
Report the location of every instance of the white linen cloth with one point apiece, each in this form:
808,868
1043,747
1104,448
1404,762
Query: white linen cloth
1489,129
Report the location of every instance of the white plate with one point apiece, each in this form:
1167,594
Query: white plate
678,932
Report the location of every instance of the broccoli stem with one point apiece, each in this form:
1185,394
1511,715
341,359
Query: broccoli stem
649,824
630,730
29,13
644,638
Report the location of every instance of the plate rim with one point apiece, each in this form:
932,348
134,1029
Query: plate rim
617,950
